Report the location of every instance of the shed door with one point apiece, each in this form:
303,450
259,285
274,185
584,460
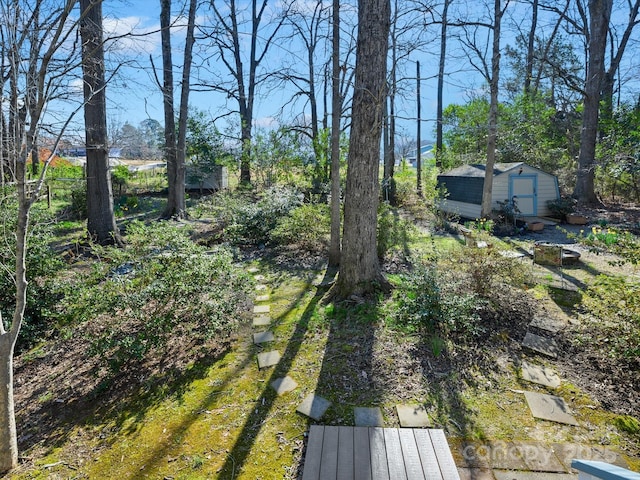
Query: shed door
524,188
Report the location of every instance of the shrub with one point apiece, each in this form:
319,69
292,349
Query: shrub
393,231
79,201
161,288
252,222
612,316
428,304
120,177
42,266
561,207
307,225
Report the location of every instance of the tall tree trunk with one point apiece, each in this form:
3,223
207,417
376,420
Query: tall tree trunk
101,220
441,69
176,200
418,134
359,267
531,42
8,338
599,13
170,141
609,79
487,187
336,110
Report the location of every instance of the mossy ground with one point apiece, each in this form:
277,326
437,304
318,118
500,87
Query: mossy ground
227,422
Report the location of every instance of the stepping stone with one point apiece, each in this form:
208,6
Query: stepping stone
284,385
539,457
368,417
260,287
262,298
313,406
253,270
566,452
551,325
413,416
510,254
508,475
505,456
475,474
543,345
261,309
268,359
261,321
540,375
549,407
263,337
259,278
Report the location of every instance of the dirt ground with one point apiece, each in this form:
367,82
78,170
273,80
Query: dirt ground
59,385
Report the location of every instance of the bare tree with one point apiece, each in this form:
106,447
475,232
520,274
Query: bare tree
228,38
101,223
599,16
441,73
336,109
30,84
175,147
359,266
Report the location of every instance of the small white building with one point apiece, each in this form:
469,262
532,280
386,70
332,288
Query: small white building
529,187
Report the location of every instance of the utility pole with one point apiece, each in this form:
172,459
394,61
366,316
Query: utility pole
419,140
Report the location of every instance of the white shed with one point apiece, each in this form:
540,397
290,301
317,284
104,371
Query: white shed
529,187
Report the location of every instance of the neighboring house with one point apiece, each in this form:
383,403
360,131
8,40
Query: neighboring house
529,187
427,156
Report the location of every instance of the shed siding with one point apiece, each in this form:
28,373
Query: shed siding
463,189
462,209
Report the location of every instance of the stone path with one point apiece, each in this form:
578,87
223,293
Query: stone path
478,461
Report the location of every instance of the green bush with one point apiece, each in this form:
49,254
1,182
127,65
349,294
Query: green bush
612,316
428,304
160,288
561,207
252,222
42,266
79,201
393,232
307,225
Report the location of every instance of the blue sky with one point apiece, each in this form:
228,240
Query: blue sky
134,96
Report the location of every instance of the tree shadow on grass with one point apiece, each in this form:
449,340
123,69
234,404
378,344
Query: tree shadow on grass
237,456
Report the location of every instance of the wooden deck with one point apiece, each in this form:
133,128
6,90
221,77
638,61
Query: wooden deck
368,453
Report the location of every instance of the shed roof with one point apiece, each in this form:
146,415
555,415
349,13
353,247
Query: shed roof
477,170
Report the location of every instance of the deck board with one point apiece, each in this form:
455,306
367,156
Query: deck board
373,453
361,454
329,466
313,456
345,454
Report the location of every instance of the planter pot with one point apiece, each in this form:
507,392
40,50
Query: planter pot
535,226
575,219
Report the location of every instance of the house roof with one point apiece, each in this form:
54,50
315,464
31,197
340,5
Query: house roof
477,170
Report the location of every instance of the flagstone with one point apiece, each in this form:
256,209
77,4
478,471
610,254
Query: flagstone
261,308
263,337
259,278
260,287
262,298
314,406
261,321
253,269
268,359
368,417
511,475
550,324
540,374
543,345
549,407
284,385
413,416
